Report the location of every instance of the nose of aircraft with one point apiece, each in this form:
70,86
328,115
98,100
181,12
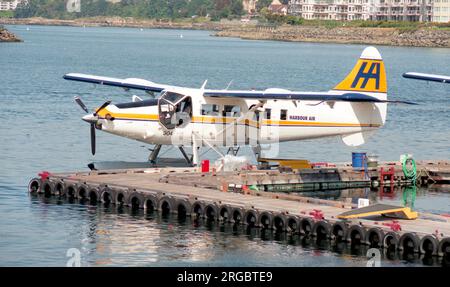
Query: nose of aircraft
90,118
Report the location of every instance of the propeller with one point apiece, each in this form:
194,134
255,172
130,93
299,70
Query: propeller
81,104
91,119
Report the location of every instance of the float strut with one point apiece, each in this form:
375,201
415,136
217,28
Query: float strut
183,152
154,155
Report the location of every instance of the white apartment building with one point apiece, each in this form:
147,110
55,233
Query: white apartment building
331,9
403,10
441,11
397,10
7,6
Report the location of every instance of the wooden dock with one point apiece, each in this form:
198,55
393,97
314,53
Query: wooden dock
227,197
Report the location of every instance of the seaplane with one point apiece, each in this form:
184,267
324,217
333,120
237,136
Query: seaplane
225,118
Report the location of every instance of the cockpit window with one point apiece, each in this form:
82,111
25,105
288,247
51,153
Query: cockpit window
177,113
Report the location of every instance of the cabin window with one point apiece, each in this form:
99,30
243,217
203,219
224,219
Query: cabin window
231,111
268,114
210,110
283,115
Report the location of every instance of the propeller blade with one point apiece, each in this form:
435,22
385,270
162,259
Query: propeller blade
93,138
102,107
81,104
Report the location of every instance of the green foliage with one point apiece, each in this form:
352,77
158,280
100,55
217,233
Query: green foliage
161,9
402,26
442,25
262,4
280,19
6,14
294,20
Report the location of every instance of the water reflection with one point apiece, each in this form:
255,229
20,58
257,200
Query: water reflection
113,236
433,198
409,196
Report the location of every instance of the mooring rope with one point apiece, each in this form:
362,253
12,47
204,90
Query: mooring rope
412,172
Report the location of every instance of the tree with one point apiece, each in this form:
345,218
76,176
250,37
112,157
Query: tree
26,9
236,7
132,8
262,4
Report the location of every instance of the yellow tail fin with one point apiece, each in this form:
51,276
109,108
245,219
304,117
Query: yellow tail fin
368,75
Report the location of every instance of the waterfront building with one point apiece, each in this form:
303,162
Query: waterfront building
396,10
277,8
331,9
441,11
9,5
403,10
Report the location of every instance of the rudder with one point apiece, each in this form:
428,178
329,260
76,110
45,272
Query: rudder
368,75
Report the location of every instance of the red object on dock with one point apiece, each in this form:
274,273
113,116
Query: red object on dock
317,214
44,175
205,165
319,164
394,225
390,173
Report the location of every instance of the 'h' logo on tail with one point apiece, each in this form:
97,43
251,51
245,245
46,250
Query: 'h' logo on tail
373,73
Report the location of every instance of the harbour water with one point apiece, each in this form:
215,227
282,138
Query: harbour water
41,130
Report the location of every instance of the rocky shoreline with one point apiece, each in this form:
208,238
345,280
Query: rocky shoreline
6,36
421,37
114,22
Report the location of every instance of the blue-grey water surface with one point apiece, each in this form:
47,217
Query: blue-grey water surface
40,129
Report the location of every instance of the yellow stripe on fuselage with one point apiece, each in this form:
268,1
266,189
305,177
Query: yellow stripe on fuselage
228,120
103,113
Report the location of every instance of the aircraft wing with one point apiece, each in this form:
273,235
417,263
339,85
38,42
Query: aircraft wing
130,83
305,96
427,77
